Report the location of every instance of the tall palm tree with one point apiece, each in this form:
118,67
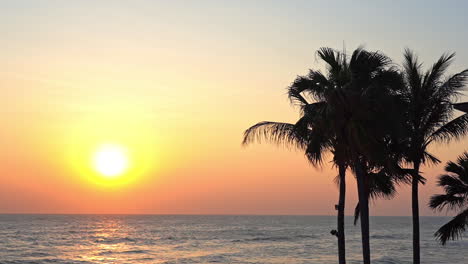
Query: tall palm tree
362,119
311,132
455,184
348,116
429,118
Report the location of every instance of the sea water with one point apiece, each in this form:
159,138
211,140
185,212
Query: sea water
212,239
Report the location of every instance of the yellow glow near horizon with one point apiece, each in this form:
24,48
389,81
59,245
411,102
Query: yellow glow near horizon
110,160
112,151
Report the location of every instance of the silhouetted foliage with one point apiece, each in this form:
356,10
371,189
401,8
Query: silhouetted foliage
373,117
311,132
345,111
455,185
429,118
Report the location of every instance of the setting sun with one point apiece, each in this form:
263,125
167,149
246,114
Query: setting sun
110,160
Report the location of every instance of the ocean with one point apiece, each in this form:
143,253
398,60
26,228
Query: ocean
177,239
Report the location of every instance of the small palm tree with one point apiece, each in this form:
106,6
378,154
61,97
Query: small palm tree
429,118
455,184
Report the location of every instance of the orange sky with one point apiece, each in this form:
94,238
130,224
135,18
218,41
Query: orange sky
176,85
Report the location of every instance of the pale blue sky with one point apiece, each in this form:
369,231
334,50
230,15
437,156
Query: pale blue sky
430,27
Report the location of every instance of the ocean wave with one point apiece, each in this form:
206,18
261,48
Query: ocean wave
43,261
389,260
138,251
38,254
306,236
114,240
394,236
274,238
189,240
208,258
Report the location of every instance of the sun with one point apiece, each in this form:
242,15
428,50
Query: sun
110,160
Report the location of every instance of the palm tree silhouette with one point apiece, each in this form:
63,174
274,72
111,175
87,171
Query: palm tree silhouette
429,119
311,132
361,117
344,112
455,184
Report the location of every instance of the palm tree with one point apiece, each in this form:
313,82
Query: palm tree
429,119
361,118
311,132
455,184
348,116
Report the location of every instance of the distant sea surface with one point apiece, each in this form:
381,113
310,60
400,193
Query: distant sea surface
212,239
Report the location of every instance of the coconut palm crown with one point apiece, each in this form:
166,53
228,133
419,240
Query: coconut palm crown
455,185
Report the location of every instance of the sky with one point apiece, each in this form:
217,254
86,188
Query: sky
176,83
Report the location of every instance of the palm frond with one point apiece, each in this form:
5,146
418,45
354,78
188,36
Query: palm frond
455,168
381,185
454,85
314,112
317,145
279,133
460,168
435,73
434,114
389,78
377,60
444,201
296,89
364,65
453,229
405,176
454,129
412,69
333,59
453,185
429,158
456,196
315,84
357,213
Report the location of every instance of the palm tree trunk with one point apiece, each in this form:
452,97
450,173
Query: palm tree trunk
341,207
415,211
364,208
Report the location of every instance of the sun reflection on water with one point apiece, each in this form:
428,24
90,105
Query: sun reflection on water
108,238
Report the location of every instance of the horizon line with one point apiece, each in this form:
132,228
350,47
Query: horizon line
162,214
